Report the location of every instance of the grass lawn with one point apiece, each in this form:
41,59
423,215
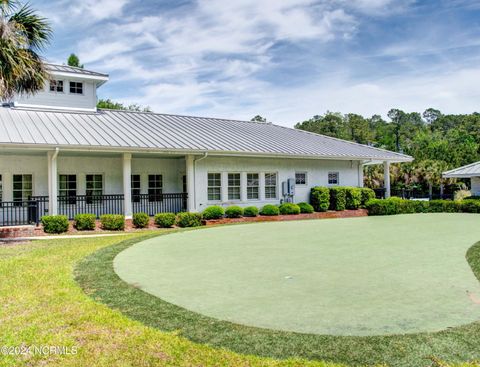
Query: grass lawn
42,305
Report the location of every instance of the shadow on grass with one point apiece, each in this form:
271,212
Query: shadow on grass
97,277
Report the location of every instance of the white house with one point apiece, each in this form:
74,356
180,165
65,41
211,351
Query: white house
60,155
471,171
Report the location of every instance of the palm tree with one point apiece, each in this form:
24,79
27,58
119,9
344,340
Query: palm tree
22,35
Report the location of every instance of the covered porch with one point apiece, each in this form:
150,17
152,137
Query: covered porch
67,182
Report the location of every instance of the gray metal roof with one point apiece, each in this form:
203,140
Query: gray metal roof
135,131
470,170
73,70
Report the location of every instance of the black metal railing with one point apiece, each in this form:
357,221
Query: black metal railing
15,213
90,204
161,203
414,194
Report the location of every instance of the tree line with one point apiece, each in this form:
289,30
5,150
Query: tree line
437,141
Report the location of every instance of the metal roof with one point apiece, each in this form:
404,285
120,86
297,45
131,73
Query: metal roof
137,131
73,70
470,170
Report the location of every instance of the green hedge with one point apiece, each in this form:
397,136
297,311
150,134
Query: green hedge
306,208
367,195
320,198
250,211
289,208
393,206
213,212
189,220
113,222
141,220
338,198
234,211
55,223
85,222
165,220
353,197
270,210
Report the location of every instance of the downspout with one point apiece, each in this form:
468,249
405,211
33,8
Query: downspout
54,156
205,155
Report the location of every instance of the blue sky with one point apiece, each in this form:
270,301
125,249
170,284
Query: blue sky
286,60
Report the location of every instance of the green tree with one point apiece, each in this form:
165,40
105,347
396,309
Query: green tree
258,118
73,60
23,34
108,104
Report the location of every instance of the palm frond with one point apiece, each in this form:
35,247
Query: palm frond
35,29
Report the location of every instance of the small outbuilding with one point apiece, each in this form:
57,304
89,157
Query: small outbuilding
471,171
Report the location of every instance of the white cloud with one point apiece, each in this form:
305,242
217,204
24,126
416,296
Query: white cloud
98,9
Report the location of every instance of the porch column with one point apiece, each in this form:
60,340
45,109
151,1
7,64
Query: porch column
360,174
189,161
52,182
386,178
127,185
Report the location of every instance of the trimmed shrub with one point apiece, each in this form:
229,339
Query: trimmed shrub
189,219
270,210
55,223
395,205
85,222
305,208
250,211
234,211
353,197
444,206
141,220
320,198
165,220
213,212
338,200
382,206
367,194
289,208
470,206
113,222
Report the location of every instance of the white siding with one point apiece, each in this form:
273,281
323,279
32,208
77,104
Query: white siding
475,185
317,175
45,98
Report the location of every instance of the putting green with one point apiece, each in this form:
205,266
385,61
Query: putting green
357,276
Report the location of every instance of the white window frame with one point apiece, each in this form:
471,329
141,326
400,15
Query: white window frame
70,88
219,187
66,190
155,193
257,186
239,186
94,189
135,196
23,198
267,197
55,85
337,174
306,178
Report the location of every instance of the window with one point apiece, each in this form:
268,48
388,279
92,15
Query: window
155,187
67,188
333,178
56,86
270,185
300,178
22,187
214,186
184,183
136,188
76,88
234,186
253,184
94,188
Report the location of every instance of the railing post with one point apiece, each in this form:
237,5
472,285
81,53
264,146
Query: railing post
127,186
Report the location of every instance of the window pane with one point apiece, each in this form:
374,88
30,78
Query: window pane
270,185
300,178
214,186
333,178
22,187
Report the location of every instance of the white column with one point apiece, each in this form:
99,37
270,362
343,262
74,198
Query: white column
127,185
386,178
190,170
224,189
360,174
243,186
262,186
52,183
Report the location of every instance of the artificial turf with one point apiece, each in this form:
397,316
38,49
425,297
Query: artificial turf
356,276
455,345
